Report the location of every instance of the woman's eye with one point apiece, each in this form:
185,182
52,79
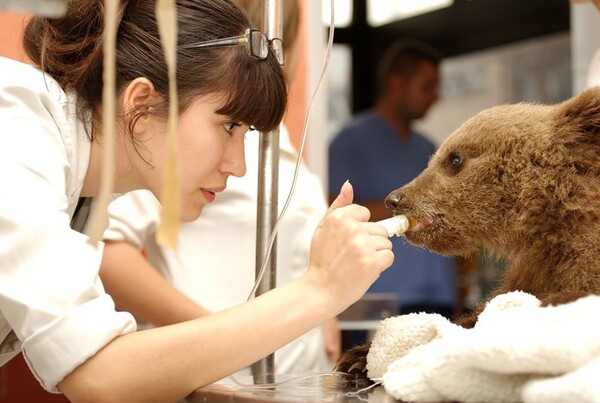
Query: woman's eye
230,126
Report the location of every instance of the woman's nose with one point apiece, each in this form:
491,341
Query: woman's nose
237,167
234,161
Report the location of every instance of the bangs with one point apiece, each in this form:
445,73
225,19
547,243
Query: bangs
258,96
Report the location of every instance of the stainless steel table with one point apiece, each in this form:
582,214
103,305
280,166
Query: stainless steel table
291,388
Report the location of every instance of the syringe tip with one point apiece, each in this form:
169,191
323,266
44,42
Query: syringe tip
396,225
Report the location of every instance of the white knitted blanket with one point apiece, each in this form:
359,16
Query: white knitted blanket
517,351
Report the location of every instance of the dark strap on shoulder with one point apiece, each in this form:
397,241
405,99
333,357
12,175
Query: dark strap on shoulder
82,211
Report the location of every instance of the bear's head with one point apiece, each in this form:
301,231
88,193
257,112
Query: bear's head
510,177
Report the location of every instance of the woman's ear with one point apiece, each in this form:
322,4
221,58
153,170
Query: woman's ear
137,100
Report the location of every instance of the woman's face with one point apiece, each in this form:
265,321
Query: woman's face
211,148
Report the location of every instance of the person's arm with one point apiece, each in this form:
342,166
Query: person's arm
139,289
167,363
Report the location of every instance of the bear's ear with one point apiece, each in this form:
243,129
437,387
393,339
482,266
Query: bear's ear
581,115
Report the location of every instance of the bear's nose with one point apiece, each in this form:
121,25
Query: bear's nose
393,201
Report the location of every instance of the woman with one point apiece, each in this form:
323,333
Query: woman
165,286
52,302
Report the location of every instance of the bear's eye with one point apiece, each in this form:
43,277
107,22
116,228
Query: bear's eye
454,162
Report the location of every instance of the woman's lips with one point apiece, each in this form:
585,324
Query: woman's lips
210,194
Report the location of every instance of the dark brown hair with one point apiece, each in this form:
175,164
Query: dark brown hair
403,57
70,50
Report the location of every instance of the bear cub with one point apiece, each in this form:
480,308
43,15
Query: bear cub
521,181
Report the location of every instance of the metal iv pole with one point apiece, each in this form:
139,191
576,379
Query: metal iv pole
268,183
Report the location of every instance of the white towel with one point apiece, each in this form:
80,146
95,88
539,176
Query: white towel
517,351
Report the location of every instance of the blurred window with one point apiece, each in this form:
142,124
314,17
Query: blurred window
380,12
339,97
343,12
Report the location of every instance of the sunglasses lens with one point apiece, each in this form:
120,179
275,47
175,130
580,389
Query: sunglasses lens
259,47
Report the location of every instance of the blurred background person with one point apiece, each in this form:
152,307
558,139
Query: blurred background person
380,151
165,286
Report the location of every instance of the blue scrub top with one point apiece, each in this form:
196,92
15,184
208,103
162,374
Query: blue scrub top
370,154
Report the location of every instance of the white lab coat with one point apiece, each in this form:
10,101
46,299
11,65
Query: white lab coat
51,297
215,259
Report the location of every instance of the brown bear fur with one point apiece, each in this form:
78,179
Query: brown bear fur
521,181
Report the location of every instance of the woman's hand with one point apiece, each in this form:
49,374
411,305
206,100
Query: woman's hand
348,253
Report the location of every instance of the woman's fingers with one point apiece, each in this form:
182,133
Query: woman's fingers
344,198
385,258
348,253
377,229
372,251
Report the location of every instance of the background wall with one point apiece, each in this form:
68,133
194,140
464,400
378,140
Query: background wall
536,70
11,26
